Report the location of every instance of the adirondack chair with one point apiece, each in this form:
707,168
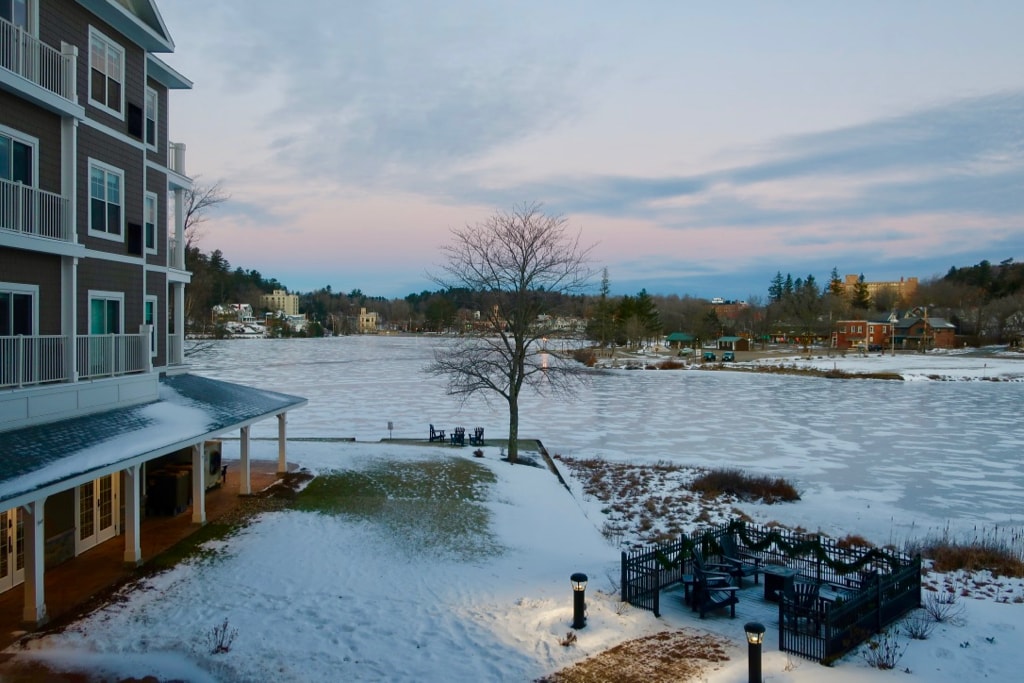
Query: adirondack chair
741,563
712,590
802,603
458,436
477,437
436,434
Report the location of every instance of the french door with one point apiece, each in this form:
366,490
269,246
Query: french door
12,549
96,513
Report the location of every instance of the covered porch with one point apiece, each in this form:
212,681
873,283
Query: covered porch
72,487
70,586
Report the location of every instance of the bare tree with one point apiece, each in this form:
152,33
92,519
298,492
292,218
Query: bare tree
512,263
199,199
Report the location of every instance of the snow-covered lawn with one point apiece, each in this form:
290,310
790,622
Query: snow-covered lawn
353,594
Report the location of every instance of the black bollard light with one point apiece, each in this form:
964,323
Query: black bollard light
579,589
755,636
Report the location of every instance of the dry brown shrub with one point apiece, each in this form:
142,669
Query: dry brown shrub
734,482
854,541
669,656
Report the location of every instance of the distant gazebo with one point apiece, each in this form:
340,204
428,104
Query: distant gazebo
679,340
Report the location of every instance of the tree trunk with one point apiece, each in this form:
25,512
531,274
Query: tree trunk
513,431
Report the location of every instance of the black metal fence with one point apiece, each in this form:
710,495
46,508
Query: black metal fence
868,588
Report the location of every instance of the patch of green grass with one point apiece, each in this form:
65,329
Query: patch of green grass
425,507
191,547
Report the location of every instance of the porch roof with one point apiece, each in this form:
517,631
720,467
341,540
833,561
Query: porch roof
48,458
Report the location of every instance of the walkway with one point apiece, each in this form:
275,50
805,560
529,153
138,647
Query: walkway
71,585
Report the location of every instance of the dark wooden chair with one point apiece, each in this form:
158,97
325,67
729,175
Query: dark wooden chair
712,590
801,603
741,563
477,437
458,436
436,434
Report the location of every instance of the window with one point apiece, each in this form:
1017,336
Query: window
17,309
16,12
149,318
152,108
149,223
16,157
106,73
105,312
18,316
106,217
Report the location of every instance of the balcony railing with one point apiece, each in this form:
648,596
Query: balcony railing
108,355
36,61
174,349
26,361
176,157
174,258
32,211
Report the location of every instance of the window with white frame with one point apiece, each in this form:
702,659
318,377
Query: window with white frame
149,318
152,112
19,12
18,309
106,312
149,222
17,156
106,73
106,201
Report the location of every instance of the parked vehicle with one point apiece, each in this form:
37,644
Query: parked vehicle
710,355
728,356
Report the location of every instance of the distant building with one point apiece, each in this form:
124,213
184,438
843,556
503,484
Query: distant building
862,334
903,289
282,301
366,322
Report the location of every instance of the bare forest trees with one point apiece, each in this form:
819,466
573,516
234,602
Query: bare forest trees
512,264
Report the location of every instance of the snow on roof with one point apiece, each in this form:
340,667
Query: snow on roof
190,409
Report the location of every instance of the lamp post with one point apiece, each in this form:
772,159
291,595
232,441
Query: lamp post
755,636
579,589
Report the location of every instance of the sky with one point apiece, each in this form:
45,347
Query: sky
699,147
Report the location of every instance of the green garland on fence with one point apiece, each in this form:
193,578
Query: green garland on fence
813,546
810,546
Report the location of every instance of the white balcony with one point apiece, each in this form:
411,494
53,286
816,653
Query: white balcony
38,63
176,157
109,355
175,257
26,361
38,213
41,359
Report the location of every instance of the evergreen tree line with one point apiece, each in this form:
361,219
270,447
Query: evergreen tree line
984,301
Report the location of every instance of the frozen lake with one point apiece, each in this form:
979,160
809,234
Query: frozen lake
881,457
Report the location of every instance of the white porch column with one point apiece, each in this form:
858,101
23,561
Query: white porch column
244,476
198,484
35,598
132,515
179,322
282,457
